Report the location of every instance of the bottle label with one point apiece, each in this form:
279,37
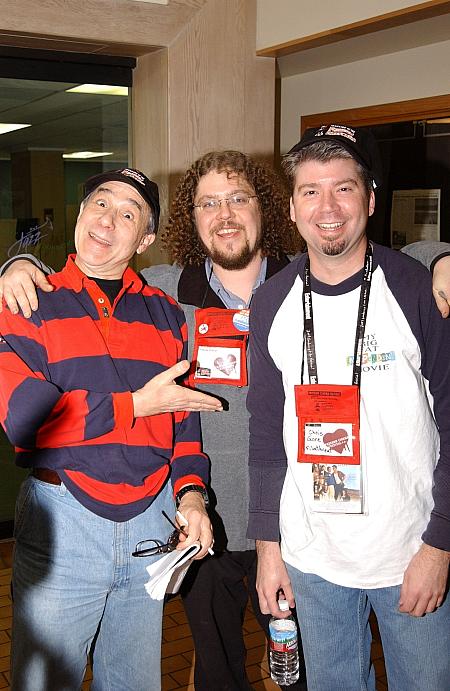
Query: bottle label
288,647
283,635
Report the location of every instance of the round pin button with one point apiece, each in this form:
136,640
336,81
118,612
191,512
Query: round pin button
241,320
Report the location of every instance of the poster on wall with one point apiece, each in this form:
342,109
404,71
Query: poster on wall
415,216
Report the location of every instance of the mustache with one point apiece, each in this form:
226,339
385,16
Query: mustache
223,225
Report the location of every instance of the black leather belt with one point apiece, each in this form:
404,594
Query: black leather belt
46,475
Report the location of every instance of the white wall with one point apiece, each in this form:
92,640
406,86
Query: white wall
416,73
279,21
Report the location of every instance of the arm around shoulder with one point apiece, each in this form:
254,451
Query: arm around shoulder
436,257
427,252
19,281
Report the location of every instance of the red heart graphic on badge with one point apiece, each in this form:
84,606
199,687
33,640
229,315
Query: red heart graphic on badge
336,441
226,365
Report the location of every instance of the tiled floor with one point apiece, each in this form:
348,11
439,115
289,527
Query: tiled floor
177,648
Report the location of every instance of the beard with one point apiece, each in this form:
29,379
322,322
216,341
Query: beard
232,261
333,249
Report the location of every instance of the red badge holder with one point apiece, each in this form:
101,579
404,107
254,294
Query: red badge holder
220,341
328,423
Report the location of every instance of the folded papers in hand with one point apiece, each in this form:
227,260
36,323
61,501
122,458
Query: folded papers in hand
167,573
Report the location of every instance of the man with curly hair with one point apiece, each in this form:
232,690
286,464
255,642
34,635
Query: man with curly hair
229,230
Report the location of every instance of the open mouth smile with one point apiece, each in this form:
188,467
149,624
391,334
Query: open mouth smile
100,240
227,231
331,226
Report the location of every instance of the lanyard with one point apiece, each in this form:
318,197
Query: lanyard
308,329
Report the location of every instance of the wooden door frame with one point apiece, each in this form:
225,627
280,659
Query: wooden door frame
363,27
401,111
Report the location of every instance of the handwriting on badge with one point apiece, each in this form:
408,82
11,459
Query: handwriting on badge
327,439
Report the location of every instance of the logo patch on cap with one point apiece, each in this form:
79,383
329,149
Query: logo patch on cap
129,172
337,131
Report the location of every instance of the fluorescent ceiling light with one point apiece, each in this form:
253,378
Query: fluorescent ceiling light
103,89
10,127
88,154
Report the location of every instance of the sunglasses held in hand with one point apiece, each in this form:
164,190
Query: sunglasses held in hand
149,548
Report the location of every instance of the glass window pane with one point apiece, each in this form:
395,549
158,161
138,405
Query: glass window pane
41,181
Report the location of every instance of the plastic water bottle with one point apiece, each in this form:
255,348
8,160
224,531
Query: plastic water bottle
284,662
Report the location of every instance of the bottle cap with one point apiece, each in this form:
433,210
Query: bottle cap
283,605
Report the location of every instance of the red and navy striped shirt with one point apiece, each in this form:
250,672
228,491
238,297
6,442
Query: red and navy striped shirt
66,377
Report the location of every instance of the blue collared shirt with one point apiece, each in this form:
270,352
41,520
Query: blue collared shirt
230,300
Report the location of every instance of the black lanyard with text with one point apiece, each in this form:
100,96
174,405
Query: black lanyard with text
308,329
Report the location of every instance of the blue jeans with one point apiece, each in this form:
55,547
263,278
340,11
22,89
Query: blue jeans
334,624
76,584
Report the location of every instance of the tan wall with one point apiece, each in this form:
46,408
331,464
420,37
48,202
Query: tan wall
150,134
287,20
409,74
218,95
221,94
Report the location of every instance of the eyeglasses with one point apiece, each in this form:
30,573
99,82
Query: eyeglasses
235,202
148,548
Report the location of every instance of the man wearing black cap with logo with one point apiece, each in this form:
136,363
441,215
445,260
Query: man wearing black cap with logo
90,401
349,362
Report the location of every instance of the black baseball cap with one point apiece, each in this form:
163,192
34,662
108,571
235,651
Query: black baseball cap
146,188
359,142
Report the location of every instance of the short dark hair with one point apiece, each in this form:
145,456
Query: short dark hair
322,151
279,234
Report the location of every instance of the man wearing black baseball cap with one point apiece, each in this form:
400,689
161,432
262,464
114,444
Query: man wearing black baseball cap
90,401
349,362
358,142
147,189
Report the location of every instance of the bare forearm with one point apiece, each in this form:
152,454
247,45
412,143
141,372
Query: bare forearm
272,577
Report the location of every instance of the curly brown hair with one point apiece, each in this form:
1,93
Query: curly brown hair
279,234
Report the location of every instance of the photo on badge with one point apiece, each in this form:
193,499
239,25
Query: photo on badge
218,363
336,488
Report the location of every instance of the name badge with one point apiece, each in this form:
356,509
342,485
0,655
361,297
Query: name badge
328,423
220,341
328,439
